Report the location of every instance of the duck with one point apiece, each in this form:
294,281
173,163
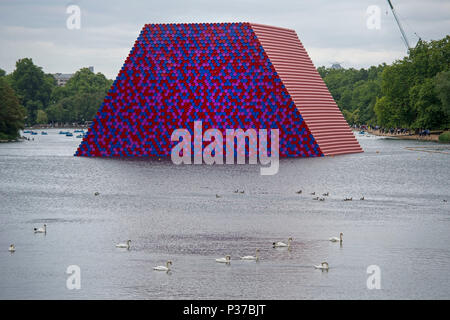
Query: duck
96,193
41,230
324,266
316,198
299,191
322,199
217,196
336,239
362,198
280,244
256,257
326,194
163,268
242,191
227,259
124,245
313,193
348,199
236,191
12,248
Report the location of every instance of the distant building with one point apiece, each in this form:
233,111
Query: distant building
336,66
62,78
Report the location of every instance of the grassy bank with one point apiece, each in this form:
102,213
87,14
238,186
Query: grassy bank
445,137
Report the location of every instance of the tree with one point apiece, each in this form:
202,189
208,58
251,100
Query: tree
11,112
41,117
80,99
2,73
32,86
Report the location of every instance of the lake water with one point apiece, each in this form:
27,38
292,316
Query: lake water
172,213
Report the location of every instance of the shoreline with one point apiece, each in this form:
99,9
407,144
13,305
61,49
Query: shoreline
431,137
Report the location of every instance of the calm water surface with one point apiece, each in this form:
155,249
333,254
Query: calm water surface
171,212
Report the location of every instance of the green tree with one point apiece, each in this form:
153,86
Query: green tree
41,117
80,99
2,73
32,86
11,112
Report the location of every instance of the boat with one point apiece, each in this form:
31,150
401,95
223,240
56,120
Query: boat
80,136
69,134
26,131
79,131
44,133
33,133
63,132
362,132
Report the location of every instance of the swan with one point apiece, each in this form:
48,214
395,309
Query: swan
227,259
124,245
256,257
336,239
280,244
41,230
323,266
162,268
12,248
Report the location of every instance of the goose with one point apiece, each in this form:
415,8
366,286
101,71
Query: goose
280,244
12,248
323,266
162,268
326,194
256,257
41,230
336,239
227,259
124,245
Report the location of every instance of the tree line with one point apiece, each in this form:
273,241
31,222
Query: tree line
28,96
413,92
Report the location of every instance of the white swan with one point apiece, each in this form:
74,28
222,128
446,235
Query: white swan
280,244
227,259
162,268
41,230
336,239
12,248
323,266
256,257
124,245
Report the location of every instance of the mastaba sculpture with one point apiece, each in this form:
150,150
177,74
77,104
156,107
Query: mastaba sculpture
227,75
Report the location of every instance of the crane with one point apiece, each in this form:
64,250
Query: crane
408,47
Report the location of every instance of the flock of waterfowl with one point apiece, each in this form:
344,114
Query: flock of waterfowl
326,194
227,259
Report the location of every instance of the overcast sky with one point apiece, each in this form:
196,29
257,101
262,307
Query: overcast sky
331,31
